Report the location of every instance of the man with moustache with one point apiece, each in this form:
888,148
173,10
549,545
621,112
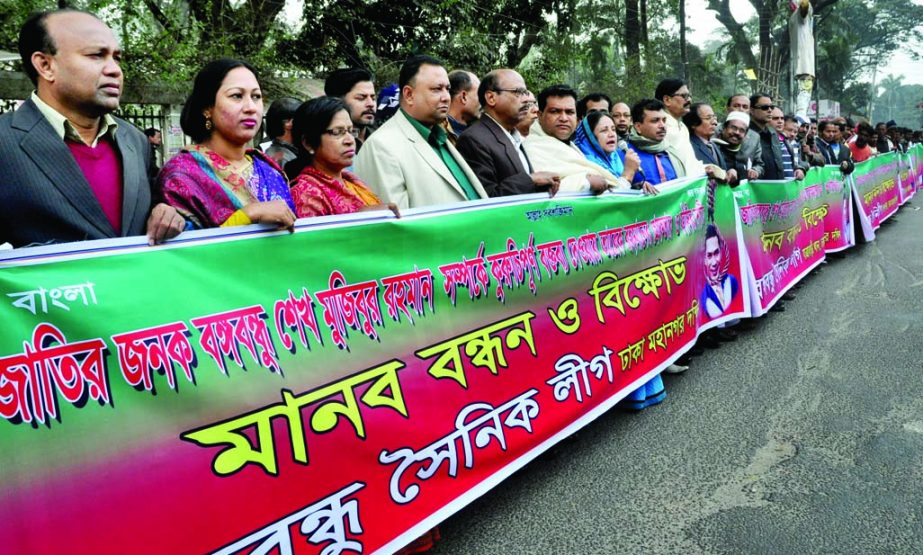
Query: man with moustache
832,149
492,146
791,162
525,124
408,160
660,162
549,146
356,88
744,160
676,99
72,171
621,116
701,122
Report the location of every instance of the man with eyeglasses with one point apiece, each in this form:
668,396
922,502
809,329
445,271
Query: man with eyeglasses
676,99
492,146
791,161
761,108
525,125
621,115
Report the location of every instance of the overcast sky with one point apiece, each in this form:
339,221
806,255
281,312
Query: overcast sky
704,27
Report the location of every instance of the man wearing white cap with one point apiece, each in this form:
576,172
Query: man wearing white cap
741,155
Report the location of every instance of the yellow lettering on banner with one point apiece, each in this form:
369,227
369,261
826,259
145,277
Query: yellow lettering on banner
692,313
606,283
483,348
384,391
616,293
448,364
625,357
566,317
240,452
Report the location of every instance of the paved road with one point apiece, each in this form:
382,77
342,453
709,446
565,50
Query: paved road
805,436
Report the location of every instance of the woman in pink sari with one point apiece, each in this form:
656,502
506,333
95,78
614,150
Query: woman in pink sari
322,186
221,181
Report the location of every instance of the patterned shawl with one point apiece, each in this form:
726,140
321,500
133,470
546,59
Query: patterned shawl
206,189
318,194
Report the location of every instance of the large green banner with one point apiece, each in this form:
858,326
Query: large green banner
877,194
336,390
344,388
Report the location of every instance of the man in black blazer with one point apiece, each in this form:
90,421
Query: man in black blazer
70,170
493,147
833,151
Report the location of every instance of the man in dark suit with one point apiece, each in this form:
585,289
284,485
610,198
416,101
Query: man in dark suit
761,108
492,146
830,147
72,171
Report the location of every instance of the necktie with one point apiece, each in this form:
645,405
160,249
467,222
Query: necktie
663,174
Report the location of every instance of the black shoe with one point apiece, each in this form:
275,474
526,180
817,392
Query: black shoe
778,307
726,335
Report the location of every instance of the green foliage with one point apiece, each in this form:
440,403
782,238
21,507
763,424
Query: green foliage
580,42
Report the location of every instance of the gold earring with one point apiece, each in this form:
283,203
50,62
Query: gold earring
208,123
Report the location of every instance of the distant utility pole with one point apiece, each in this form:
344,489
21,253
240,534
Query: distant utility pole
873,92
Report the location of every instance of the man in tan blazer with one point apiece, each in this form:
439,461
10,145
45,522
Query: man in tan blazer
409,160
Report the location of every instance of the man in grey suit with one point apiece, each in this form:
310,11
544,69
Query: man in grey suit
70,170
492,146
409,160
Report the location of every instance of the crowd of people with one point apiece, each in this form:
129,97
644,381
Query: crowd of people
76,172
73,171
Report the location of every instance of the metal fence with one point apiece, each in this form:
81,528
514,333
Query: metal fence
143,116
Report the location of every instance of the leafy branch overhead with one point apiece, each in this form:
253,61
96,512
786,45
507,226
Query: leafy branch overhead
622,47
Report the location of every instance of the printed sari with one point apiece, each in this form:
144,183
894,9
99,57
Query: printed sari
207,190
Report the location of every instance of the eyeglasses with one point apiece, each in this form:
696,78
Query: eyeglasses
765,107
518,92
339,132
685,96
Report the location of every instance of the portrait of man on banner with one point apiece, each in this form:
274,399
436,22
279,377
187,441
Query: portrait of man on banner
721,288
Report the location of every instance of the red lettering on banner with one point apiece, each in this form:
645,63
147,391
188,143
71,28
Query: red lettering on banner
470,274
584,251
552,257
690,219
141,352
31,381
296,313
661,229
413,290
511,267
611,242
344,304
224,333
637,236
